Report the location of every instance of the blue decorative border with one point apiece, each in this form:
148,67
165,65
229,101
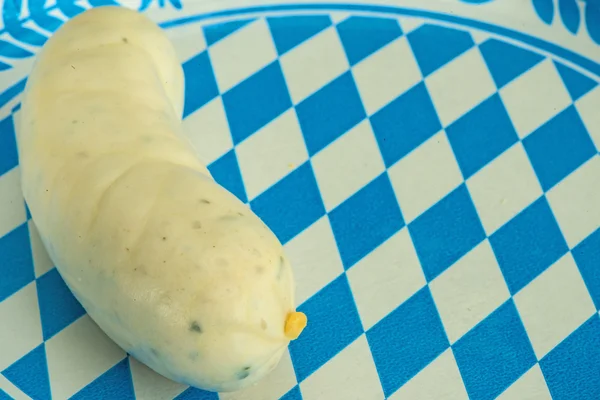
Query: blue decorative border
28,36
541,44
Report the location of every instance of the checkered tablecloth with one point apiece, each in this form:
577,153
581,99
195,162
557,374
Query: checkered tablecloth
436,187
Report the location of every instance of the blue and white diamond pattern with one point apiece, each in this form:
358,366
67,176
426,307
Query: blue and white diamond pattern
435,188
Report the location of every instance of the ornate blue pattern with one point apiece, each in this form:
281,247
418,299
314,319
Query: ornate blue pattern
592,20
544,10
11,10
571,13
161,3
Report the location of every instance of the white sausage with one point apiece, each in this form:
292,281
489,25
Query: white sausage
174,268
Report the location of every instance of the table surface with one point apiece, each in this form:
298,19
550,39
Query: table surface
432,171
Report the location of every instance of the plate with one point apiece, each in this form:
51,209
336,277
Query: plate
431,167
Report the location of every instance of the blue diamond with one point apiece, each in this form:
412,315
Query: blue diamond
407,340
30,374
116,383
214,33
366,220
226,171
405,123
58,306
481,135
559,147
256,101
8,146
434,46
290,31
362,36
587,257
16,261
446,232
197,394
506,61
293,394
200,83
334,324
292,204
494,354
330,112
528,244
576,83
572,369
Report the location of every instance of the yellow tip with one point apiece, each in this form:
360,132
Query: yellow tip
294,325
